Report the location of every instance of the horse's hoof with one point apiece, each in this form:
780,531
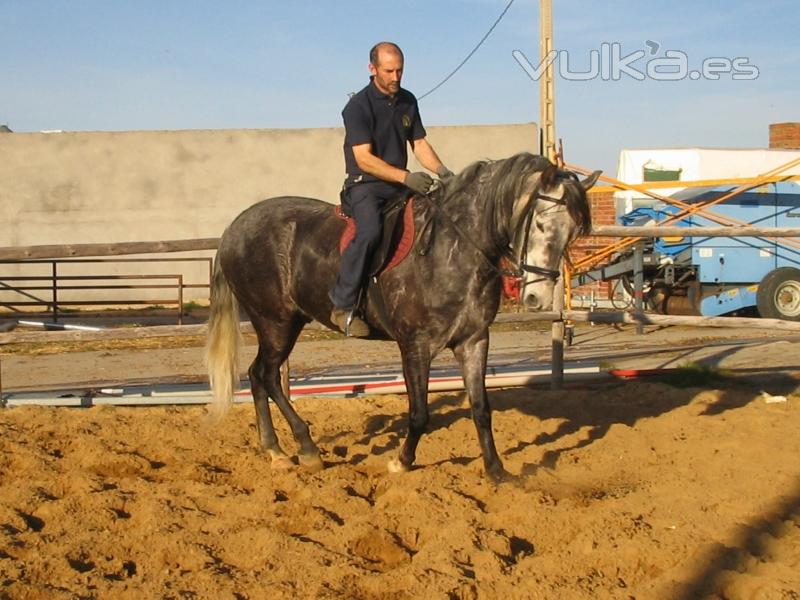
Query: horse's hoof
498,476
311,462
280,462
395,466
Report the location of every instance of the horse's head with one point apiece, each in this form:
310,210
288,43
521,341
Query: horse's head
531,210
558,210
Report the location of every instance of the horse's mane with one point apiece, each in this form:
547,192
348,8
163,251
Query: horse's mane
503,180
578,205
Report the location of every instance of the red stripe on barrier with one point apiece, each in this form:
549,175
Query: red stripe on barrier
634,373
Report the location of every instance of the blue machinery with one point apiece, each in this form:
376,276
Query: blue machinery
713,276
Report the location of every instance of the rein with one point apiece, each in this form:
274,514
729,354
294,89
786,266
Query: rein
471,242
518,265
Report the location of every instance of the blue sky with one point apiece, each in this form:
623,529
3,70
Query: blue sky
116,65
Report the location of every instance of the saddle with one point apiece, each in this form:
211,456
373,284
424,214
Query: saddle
396,240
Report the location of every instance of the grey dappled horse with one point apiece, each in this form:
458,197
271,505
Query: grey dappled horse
278,259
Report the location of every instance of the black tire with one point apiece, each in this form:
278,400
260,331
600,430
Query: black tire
778,294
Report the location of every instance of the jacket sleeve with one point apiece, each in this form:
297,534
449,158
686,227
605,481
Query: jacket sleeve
417,131
357,125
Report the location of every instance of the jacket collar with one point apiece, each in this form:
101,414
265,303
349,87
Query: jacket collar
377,94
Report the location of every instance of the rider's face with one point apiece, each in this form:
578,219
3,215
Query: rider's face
388,73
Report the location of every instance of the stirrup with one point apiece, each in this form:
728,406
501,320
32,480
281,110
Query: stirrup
350,319
361,326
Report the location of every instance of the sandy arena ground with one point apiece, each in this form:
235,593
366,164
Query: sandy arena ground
622,489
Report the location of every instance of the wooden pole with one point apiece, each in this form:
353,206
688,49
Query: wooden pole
547,83
674,231
636,318
661,185
638,282
557,335
33,337
583,316
285,379
547,93
116,249
547,125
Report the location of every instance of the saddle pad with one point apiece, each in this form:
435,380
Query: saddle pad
398,251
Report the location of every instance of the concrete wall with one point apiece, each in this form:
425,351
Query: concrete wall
156,185
62,188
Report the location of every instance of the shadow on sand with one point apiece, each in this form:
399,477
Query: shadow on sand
589,407
756,539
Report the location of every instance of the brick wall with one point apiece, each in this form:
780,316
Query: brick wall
603,213
784,135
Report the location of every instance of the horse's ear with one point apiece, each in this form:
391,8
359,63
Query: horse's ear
548,177
590,180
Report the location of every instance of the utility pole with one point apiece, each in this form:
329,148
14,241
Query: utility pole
547,88
547,127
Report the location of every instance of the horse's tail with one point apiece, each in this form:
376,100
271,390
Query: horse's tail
222,343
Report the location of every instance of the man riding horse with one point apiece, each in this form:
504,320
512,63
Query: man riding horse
379,121
278,261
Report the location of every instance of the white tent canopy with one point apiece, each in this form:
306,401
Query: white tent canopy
695,164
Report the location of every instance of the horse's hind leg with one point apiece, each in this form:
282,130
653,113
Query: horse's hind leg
266,429
276,340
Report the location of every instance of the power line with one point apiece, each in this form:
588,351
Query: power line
474,50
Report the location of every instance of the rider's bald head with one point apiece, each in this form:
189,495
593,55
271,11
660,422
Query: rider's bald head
382,49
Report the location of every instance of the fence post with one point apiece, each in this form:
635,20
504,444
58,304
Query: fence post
638,282
55,291
180,299
285,379
557,335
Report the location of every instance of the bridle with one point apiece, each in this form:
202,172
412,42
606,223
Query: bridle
520,266
516,265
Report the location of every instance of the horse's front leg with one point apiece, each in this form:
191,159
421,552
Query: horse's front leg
416,369
472,355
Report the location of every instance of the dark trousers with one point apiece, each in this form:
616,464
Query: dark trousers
363,202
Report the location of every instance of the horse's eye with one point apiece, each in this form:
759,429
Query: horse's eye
539,225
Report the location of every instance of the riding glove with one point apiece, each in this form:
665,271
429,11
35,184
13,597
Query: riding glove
419,182
444,173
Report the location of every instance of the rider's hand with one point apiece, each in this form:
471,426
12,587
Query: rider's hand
444,173
419,182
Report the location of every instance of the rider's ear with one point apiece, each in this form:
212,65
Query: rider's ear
591,180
